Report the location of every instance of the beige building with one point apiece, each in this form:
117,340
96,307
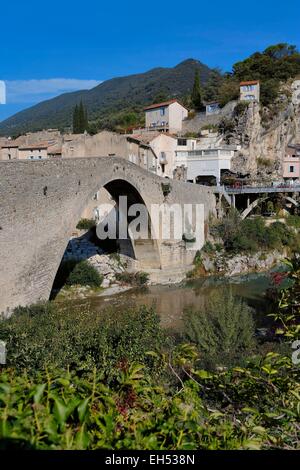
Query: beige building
166,116
164,147
34,151
250,91
111,144
9,150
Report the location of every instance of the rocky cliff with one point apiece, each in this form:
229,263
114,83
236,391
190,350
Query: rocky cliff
264,133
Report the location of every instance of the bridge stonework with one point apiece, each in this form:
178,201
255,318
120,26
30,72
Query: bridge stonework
41,203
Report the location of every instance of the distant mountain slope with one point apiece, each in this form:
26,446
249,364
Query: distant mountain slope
110,96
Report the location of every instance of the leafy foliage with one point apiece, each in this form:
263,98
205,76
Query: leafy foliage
250,235
223,329
57,336
125,403
196,97
85,224
139,278
84,274
80,119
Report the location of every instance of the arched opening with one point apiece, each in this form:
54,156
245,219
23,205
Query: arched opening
141,253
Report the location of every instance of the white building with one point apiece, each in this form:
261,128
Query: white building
166,116
250,91
205,165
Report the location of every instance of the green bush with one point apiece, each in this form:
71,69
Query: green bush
223,330
51,335
251,235
240,108
293,221
84,274
139,278
85,224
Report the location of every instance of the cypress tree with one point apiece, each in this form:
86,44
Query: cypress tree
76,120
81,118
196,92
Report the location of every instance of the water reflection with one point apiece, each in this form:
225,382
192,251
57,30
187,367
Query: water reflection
171,301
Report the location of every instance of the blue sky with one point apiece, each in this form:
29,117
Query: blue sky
49,48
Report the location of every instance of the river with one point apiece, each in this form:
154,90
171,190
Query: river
170,301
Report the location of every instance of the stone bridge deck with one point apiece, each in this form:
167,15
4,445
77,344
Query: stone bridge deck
41,203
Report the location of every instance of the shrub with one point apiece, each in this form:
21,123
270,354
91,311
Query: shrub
240,108
264,162
51,335
85,224
223,330
293,221
139,278
251,235
84,274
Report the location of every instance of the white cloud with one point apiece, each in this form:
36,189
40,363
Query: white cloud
33,91
2,92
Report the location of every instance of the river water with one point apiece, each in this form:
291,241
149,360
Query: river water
170,301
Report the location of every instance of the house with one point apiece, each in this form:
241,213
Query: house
205,165
166,116
212,108
143,154
54,150
291,163
164,146
9,150
250,91
36,151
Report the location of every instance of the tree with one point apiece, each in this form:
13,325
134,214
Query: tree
80,119
196,97
76,120
211,88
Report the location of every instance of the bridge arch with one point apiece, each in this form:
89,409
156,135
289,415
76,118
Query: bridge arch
41,203
257,201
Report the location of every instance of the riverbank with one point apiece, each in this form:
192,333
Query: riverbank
222,263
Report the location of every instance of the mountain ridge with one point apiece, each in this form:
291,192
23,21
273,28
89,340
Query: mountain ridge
110,96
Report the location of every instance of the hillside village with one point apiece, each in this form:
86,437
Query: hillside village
196,149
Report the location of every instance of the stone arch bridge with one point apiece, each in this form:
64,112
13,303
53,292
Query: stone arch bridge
41,203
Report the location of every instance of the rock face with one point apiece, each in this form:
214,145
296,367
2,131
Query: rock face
202,120
82,248
241,263
263,134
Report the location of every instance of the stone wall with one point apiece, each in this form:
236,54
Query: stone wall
41,203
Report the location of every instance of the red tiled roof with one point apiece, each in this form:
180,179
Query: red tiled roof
39,145
250,82
160,105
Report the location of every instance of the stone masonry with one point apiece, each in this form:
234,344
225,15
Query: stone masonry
41,203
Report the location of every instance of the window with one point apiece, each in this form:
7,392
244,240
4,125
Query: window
182,142
292,169
162,111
